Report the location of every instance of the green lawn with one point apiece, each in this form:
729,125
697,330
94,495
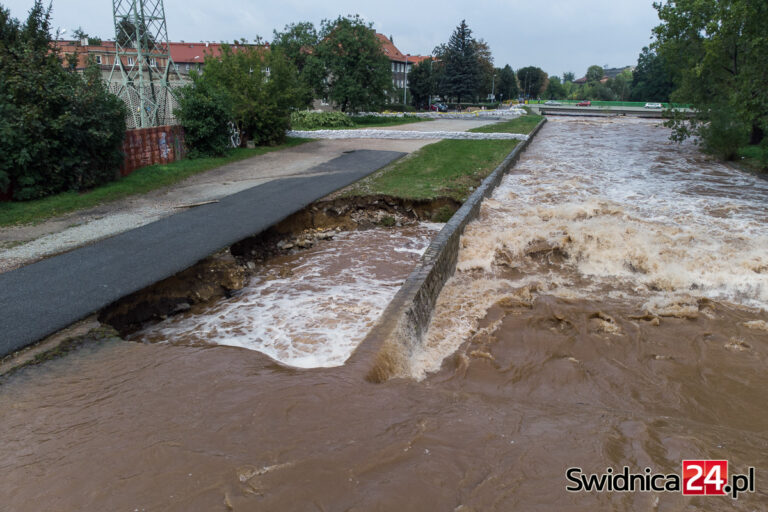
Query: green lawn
523,124
139,181
449,168
754,157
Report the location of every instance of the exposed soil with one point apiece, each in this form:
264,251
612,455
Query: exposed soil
226,272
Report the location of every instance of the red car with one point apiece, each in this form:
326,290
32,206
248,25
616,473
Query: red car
585,103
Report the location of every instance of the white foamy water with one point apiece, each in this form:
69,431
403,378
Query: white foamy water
312,308
609,208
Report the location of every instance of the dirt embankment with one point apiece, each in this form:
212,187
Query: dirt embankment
227,271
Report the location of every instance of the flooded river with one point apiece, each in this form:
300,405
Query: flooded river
609,309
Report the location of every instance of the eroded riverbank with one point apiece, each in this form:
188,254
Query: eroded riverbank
558,357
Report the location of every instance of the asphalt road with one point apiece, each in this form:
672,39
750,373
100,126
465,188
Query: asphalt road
42,298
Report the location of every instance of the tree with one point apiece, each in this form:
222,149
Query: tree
568,76
486,83
621,85
462,70
532,81
298,42
358,74
555,89
421,82
595,74
59,130
508,87
205,112
261,86
717,53
651,80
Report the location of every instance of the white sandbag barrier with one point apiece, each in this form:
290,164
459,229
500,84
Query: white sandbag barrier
486,114
401,135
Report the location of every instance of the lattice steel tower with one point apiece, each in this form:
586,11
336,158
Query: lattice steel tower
143,62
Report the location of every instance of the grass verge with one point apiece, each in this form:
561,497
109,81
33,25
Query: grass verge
449,168
139,181
754,158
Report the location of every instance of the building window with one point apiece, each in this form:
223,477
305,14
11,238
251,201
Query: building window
153,62
98,59
393,67
186,67
130,61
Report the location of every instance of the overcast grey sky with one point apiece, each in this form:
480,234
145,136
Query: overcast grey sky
557,35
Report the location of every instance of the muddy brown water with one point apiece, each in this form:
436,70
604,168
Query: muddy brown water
608,310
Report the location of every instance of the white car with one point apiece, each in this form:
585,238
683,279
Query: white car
654,105
552,102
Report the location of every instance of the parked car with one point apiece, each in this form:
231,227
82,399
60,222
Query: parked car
654,105
552,102
439,107
585,103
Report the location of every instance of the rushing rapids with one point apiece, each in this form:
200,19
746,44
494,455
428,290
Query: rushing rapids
609,309
311,308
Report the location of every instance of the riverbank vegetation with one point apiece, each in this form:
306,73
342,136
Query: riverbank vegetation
59,129
139,181
446,169
717,54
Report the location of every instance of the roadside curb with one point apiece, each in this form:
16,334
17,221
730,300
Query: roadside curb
385,351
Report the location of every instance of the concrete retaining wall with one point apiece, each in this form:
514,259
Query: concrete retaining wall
386,350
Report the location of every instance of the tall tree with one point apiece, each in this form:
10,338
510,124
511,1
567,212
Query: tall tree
421,82
532,81
298,41
358,74
462,70
59,130
508,88
595,74
486,84
717,52
651,80
555,89
568,76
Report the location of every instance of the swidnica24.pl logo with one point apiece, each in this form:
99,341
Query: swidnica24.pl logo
698,478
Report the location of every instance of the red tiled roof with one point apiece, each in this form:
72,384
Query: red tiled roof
418,59
390,50
189,53
181,53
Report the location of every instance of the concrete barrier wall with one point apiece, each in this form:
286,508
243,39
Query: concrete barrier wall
386,350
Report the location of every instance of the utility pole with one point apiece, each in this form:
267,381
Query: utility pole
141,48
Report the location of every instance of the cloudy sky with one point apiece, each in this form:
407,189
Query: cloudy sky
557,35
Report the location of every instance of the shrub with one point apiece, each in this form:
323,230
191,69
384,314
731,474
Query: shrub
205,113
59,130
262,86
305,120
724,134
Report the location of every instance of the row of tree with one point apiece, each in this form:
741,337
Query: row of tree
716,52
59,130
